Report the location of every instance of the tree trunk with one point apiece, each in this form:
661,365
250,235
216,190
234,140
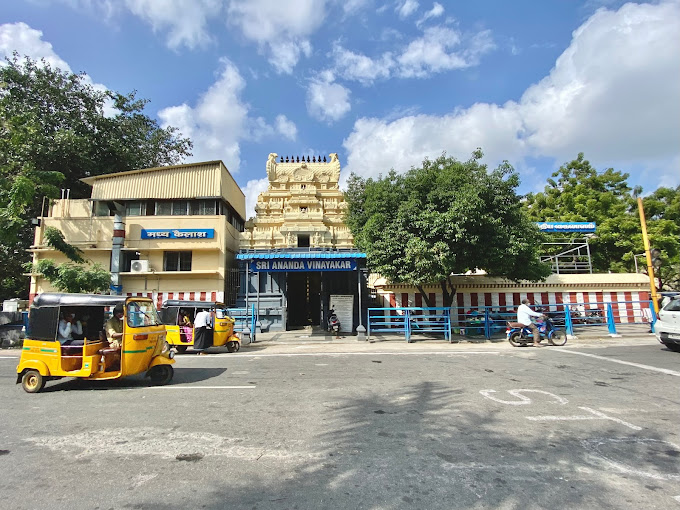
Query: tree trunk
426,297
448,291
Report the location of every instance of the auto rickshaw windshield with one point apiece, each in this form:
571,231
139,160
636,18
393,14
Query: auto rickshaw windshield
220,313
142,313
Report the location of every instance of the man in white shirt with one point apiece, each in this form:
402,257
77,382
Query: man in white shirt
203,335
68,327
524,315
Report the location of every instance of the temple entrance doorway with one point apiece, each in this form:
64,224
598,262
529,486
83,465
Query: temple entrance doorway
304,299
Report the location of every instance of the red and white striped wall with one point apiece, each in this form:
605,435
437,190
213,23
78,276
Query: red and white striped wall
628,306
189,296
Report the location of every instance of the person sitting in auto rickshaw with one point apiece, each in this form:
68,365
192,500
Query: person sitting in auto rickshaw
185,327
69,328
114,335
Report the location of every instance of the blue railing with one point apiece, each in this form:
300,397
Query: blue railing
245,320
409,320
491,321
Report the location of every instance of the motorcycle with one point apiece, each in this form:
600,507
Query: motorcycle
520,335
334,323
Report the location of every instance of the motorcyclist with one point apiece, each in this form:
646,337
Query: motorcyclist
524,315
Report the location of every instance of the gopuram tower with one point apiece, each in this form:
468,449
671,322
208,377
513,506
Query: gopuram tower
303,206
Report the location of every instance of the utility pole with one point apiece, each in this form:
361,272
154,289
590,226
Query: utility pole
648,253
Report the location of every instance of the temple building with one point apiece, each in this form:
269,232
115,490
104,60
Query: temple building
297,255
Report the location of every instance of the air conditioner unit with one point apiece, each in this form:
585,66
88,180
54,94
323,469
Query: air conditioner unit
139,266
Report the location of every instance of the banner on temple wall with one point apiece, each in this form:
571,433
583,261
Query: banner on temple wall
274,265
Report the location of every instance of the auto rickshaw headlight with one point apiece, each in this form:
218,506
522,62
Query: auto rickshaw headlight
166,346
171,353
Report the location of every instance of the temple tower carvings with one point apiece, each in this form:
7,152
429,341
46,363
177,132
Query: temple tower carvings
302,207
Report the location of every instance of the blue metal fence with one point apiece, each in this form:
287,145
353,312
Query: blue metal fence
244,320
490,321
410,320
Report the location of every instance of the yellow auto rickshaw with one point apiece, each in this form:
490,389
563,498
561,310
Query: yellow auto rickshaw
178,317
66,337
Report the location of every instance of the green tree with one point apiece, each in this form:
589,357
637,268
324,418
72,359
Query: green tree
662,214
55,129
446,218
74,276
578,192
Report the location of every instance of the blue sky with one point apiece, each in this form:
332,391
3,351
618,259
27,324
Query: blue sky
384,83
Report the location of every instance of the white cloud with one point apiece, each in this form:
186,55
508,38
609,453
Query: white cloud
376,146
281,29
614,94
25,40
217,122
356,67
440,49
286,128
327,100
252,190
406,7
185,20
436,11
220,120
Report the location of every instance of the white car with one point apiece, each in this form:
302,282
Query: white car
667,326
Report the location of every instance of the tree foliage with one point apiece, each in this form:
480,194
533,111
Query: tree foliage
578,192
56,128
75,276
446,218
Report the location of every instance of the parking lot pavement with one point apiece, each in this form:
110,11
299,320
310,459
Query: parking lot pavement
356,425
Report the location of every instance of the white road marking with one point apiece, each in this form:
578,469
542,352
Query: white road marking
594,445
523,399
9,357
178,387
677,498
596,415
621,362
419,353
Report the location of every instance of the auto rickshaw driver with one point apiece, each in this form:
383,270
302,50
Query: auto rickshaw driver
114,335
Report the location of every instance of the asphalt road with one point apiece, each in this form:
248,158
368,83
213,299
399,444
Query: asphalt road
372,427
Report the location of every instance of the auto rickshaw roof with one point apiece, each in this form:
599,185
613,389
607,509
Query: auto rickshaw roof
59,299
192,304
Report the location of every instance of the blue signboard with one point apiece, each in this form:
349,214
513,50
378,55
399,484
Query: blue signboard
561,226
179,233
280,265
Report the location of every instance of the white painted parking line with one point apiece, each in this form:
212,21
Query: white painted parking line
523,400
595,415
178,387
621,362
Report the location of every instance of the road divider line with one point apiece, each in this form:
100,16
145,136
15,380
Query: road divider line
621,362
178,387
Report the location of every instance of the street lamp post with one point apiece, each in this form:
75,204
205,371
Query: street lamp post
648,253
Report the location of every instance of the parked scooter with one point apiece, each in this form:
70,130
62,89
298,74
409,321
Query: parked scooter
520,335
334,323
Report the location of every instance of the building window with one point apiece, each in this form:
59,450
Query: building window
102,209
126,262
177,261
163,208
180,207
202,207
303,240
135,209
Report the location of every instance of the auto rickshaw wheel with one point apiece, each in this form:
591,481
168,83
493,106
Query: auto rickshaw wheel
233,346
161,374
32,381
181,348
